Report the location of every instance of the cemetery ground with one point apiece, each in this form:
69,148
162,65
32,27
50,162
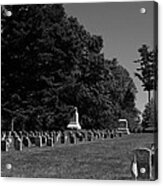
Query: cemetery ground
101,159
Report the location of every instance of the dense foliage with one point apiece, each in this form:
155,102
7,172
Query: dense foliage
150,115
147,70
50,64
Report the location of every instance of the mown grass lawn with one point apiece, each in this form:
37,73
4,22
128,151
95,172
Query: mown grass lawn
102,159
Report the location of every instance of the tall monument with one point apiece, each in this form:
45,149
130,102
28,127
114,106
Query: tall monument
74,122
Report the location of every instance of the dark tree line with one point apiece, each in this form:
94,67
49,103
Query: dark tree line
147,72
50,64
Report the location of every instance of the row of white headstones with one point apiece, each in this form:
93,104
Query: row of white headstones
18,141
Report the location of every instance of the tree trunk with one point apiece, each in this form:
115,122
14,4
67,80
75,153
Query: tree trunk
149,96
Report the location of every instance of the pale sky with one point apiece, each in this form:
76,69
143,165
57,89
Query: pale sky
123,28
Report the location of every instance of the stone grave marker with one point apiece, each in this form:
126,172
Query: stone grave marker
112,134
50,142
74,122
123,126
105,134
72,138
62,138
78,136
32,139
18,144
4,145
51,134
44,140
96,135
26,141
54,137
38,141
141,166
59,137
67,137
83,136
90,136
9,140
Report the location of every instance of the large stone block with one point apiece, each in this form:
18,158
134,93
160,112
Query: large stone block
144,164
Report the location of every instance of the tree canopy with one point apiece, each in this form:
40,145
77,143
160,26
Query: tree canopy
150,115
147,70
50,64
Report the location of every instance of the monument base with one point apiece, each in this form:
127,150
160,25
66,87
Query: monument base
123,130
73,125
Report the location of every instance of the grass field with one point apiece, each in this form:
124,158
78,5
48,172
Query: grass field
102,159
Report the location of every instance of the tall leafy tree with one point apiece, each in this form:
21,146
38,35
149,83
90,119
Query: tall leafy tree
147,72
50,64
122,92
25,60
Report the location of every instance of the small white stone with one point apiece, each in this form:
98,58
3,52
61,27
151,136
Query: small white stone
143,10
143,170
8,13
8,166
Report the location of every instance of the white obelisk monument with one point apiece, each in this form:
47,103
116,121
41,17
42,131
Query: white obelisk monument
74,122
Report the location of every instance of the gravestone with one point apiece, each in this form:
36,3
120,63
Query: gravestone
97,134
32,139
51,134
123,126
84,136
105,134
78,136
9,140
90,135
112,134
18,144
119,134
44,140
72,138
47,136
141,166
26,141
74,122
4,146
62,138
59,137
54,137
85,133
50,142
38,141
66,137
